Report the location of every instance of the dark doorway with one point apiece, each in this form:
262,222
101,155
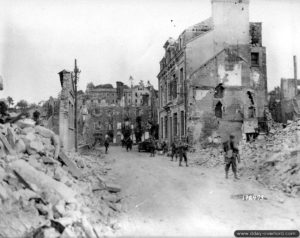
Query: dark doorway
218,110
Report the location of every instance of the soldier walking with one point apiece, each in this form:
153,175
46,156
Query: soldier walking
106,144
128,143
174,150
182,149
231,155
152,147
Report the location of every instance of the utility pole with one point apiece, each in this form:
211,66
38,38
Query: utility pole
76,72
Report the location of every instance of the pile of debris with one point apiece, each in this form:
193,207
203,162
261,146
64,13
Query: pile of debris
208,157
45,192
273,160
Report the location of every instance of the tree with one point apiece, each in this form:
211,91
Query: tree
32,105
22,104
90,85
10,101
3,108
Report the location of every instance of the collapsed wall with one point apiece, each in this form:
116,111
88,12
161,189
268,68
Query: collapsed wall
45,192
274,160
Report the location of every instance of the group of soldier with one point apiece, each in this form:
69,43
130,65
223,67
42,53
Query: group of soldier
230,150
180,148
127,142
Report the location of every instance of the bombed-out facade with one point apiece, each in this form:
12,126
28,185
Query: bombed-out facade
67,111
212,79
104,109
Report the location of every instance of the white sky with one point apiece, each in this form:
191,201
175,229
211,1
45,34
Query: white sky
113,39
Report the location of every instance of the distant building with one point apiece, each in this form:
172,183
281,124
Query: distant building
289,99
284,101
105,110
213,78
275,104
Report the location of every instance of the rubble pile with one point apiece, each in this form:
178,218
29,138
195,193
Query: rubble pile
208,157
273,160
45,192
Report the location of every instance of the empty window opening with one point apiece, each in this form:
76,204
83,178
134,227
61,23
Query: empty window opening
219,91
251,112
254,58
218,110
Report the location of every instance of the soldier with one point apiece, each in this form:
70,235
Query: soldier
164,147
152,147
106,144
182,149
174,150
231,155
128,143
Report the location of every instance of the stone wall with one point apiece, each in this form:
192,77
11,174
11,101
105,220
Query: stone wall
66,111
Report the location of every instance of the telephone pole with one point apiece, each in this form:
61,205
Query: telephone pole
76,72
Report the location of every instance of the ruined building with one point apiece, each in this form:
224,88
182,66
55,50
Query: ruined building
105,110
66,111
212,79
284,101
290,96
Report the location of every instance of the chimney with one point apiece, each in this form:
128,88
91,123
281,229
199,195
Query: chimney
231,21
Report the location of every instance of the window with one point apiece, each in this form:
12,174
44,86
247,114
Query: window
218,110
162,127
175,124
174,88
182,123
255,59
161,96
166,126
166,94
169,91
181,75
251,112
219,91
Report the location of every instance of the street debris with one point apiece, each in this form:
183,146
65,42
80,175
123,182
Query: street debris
209,157
47,192
273,160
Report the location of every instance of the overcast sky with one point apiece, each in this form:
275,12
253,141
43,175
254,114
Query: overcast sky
113,39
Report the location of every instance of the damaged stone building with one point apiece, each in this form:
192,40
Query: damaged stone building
284,101
212,79
66,111
105,109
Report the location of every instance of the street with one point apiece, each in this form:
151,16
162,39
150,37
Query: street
160,198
